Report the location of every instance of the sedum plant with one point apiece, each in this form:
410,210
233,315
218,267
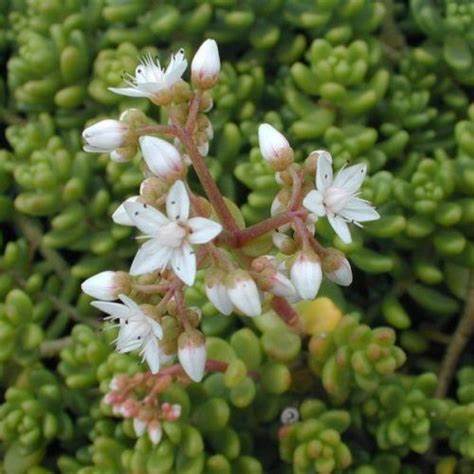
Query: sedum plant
243,227
246,270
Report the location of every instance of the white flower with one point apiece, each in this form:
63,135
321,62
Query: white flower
120,216
105,136
306,275
103,286
274,147
192,354
171,236
206,65
162,158
137,330
216,291
243,293
337,198
150,79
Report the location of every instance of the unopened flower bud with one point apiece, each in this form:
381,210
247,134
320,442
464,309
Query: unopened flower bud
106,285
274,147
134,118
269,278
284,243
279,205
281,286
139,426
105,136
206,65
123,154
203,148
120,216
155,432
337,268
306,274
207,102
243,293
153,188
162,158
194,316
216,291
311,161
192,354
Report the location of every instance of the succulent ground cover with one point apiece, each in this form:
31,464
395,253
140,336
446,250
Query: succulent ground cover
270,206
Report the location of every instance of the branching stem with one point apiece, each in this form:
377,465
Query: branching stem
459,339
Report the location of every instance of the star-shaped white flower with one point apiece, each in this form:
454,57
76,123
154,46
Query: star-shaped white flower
337,198
170,237
137,330
151,79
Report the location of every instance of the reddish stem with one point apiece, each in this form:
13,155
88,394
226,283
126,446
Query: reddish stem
159,129
296,192
151,289
245,235
286,312
207,182
307,238
193,112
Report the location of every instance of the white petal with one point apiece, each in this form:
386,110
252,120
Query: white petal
193,361
183,263
155,327
116,310
272,143
217,295
130,303
102,286
203,230
128,91
359,210
120,216
351,178
203,148
145,217
206,62
155,432
106,134
177,202
282,286
176,68
323,173
151,256
341,228
139,426
306,275
95,149
151,353
245,296
130,337
313,201
162,157
342,275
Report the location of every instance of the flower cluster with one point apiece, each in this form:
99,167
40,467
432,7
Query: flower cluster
185,232
147,413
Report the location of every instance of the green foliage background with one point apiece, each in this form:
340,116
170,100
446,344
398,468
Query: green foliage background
381,81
